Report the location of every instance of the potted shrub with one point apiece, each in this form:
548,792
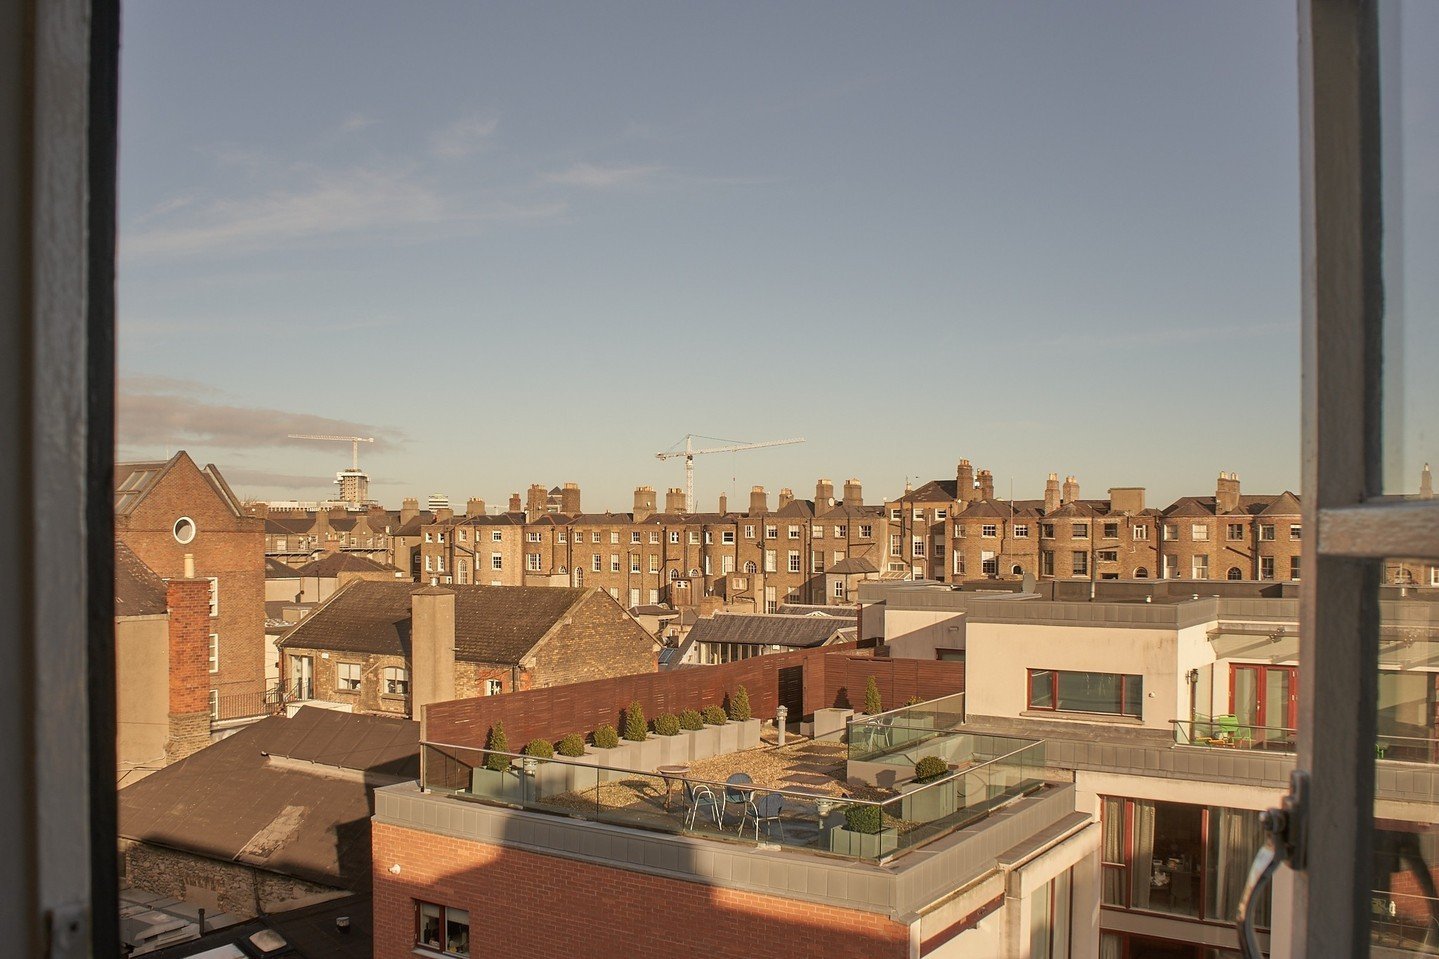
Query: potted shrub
932,794
572,749
703,739
718,720
873,704
674,748
543,778
495,779
863,834
608,751
739,713
863,732
643,752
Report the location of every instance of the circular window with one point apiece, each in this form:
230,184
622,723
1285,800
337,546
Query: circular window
184,530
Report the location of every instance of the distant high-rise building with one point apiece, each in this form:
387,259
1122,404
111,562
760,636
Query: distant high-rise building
437,502
354,486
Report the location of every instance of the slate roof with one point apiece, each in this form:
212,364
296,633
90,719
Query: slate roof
138,590
935,491
1258,504
134,481
274,569
333,564
493,624
248,799
853,566
773,629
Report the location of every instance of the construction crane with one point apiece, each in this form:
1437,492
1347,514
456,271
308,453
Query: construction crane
689,453
354,442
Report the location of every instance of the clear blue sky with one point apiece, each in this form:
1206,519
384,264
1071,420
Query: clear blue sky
539,242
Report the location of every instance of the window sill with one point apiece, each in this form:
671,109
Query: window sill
1080,717
348,692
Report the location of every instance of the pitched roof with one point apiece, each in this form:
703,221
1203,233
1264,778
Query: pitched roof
935,491
771,629
282,525
134,481
273,795
333,564
493,624
853,565
274,569
138,590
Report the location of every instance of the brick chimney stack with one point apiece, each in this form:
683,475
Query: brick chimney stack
516,506
853,493
474,507
1127,499
409,509
674,500
188,600
1426,484
570,499
986,485
537,503
1226,493
1071,489
723,504
644,503
758,501
1051,493
786,496
823,497
444,514
432,647
964,482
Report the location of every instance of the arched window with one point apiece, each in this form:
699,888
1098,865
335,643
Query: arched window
750,567
563,571
579,576
674,574
1235,573
1141,573
1017,570
694,573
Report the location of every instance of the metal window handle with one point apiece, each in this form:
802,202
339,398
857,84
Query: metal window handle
1284,830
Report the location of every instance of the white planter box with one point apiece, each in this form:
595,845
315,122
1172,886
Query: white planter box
921,804
704,743
503,786
581,776
728,738
674,750
617,757
641,756
749,731
549,779
830,721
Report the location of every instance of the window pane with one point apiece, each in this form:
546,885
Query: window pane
457,932
1089,692
429,931
1234,839
1041,693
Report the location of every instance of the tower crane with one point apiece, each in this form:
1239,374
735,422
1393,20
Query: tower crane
689,453
354,442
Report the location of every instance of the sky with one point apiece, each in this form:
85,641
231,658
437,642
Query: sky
541,242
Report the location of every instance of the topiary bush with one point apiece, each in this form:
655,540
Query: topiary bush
872,703
667,724
929,768
691,719
739,705
861,818
606,737
541,748
572,745
715,716
635,726
501,743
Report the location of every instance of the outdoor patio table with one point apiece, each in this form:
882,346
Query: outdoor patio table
671,775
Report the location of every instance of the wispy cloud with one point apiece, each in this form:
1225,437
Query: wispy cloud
593,176
464,137
356,122
159,411
328,204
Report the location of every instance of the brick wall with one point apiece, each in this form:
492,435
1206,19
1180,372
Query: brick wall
228,547
597,639
218,886
547,906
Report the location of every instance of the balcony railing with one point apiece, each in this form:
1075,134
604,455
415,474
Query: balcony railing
1225,732
811,820
907,728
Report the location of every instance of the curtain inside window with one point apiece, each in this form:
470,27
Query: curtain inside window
1234,838
1112,817
1110,946
1141,873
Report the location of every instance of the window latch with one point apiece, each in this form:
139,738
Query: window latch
1285,836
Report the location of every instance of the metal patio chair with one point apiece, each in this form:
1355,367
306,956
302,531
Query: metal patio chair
699,797
764,809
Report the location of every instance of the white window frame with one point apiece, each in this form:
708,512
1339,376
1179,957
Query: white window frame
497,561
341,682
214,653
214,596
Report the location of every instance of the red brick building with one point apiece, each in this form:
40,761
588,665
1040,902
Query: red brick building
166,511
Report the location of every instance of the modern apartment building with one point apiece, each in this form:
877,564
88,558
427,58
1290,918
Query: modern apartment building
1106,772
